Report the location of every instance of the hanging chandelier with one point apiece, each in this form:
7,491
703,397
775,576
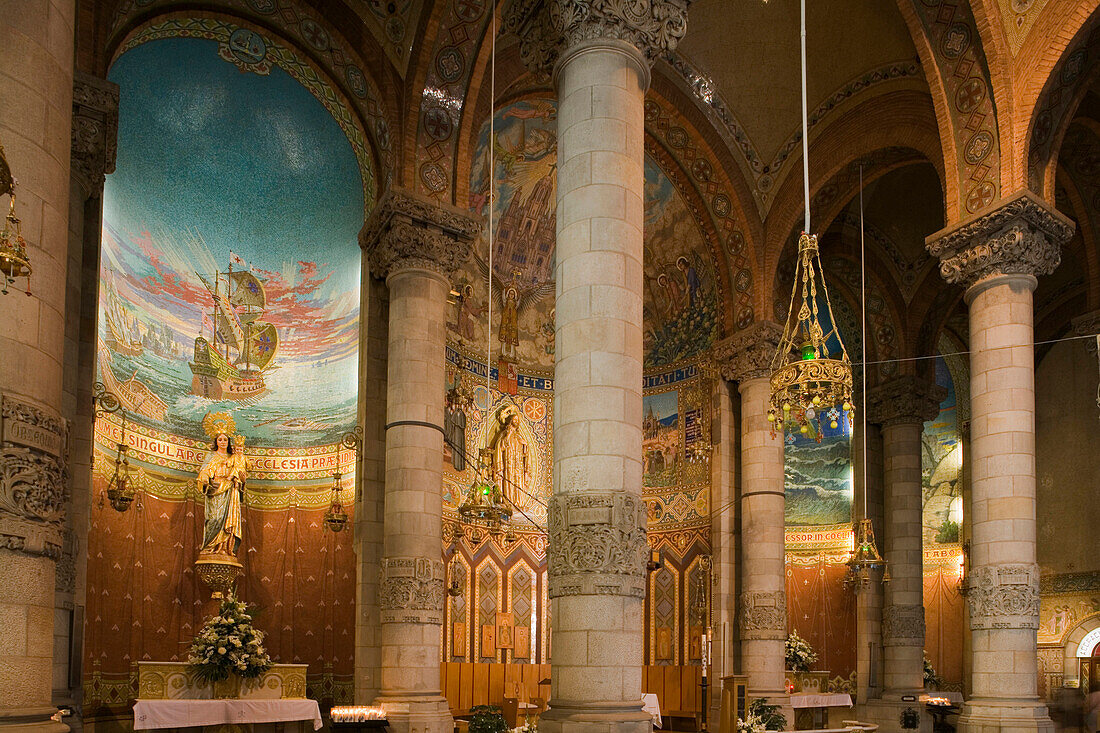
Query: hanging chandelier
14,261
485,504
865,557
122,488
811,373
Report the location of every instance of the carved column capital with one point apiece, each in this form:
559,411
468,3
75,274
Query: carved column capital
748,354
1087,325
597,544
905,400
408,231
1022,236
1004,596
549,28
411,590
33,477
763,614
94,129
903,625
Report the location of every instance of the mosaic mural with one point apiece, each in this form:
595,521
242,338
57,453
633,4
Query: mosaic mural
223,286
941,462
681,291
818,477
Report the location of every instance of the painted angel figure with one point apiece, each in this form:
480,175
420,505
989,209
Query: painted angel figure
221,480
512,300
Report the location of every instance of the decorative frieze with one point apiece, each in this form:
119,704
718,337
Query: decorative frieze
411,590
548,28
406,231
1088,325
1003,596
33,490
905,400
763,615
1023,235
597,544
94,129
748,354
903,625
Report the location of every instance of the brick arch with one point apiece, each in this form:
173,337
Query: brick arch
1086,235
1056,81
933,305
348,76
949,44
898,127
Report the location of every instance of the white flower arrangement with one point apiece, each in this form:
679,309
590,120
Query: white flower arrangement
228,644
800,655
751,724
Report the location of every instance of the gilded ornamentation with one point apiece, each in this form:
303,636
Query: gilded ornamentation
411,590
546,28
33,475
597,544
1003,596
904,400
95,128
763,614
406,231
903,625
748,354
1022,236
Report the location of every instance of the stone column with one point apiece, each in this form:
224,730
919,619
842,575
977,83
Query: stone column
724,541
415,245
763,602
600,56
36,86
901,407
996,255
869,598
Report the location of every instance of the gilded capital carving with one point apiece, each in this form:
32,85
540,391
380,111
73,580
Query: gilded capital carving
903,625
597,544
905,400
549,28
411,590
94,128
748,354
1023,235
407,231
763,614
1003,596
33,477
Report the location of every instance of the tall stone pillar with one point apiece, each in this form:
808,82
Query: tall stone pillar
997,255
763,604
415,245
36,84
869,597
901,407
600,57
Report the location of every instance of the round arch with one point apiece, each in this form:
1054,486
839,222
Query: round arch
1081,641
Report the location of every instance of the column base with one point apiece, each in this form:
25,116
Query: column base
985,715
417,713
595,717
886,712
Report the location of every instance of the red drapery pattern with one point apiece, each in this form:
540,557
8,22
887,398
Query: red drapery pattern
823,611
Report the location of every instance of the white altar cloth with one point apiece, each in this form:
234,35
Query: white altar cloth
651,705
151,714
831,700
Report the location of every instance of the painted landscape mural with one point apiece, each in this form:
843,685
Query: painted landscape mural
818,477
230,267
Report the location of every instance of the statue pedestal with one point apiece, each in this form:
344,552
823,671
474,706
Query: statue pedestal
218,572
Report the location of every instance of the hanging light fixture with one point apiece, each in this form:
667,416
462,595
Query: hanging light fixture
485,504
14,261
336,518
122,488
811,376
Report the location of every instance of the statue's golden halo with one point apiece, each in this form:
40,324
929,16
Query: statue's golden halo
216,423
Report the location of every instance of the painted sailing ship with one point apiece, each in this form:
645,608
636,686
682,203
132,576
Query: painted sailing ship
231,364
123,333
160,341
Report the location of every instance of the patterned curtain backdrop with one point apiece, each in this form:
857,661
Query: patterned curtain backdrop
943,619
823,611
145,601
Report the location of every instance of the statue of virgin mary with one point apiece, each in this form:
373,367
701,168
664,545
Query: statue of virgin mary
221,480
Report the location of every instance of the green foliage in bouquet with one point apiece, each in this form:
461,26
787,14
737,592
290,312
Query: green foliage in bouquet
227,644
800,655
931,679
768,715
487,719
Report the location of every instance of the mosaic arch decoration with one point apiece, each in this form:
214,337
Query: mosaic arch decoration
683,289
957,52
224,288
305,29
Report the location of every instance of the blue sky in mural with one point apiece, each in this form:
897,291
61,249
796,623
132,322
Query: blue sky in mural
218,170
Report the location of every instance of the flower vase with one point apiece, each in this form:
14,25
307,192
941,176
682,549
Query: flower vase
227,689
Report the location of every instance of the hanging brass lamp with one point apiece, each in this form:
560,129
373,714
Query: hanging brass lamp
14,261
811,373
865,557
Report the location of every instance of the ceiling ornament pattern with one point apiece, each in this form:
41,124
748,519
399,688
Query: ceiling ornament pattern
907,270
957,52
1059,99
307,31
677,144
1017,17
393,23
764,174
